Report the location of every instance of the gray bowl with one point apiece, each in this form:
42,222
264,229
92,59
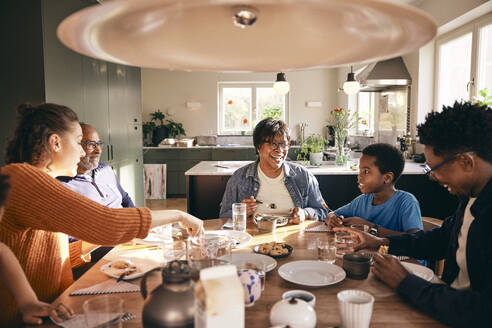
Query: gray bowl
357,265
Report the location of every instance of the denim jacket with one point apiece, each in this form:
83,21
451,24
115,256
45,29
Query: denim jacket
300,183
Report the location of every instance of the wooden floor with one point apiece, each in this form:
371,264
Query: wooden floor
164,204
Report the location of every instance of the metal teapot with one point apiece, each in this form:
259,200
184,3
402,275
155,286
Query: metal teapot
171,304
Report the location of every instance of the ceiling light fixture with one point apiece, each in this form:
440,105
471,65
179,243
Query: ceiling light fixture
245,16
351,86
198,35
281,86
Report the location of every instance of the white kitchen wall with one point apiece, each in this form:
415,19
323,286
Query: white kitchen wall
170,90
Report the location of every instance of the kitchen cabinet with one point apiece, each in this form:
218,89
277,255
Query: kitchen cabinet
105,95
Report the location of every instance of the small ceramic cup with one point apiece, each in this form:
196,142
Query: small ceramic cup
251,281
357,265
304,295
355,308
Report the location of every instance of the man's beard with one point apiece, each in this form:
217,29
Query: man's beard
88,163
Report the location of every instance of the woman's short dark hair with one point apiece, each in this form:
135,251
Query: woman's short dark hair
267,129
388,159
35,125
4,189
463,127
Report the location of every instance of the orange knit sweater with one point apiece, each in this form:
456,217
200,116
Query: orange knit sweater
39,215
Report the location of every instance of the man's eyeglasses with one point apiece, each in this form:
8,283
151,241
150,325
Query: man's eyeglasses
91,145
275,145
428,170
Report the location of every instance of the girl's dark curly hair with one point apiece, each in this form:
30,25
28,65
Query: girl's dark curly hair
459,128
35,125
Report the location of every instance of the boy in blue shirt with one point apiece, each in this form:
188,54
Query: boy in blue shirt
386,210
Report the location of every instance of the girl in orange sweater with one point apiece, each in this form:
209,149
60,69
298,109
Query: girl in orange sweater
11,275
41,212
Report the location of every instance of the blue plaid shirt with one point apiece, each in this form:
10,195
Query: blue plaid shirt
300,183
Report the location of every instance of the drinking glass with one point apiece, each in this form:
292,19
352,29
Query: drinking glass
101,309
344,243
326,251
174,251
239,216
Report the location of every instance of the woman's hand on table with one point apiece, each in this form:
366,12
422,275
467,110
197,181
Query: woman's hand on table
32,313
363,240
332,220
298,215
389,270
193,225
251,205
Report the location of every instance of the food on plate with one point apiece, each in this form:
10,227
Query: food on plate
122,264
273,248
383,249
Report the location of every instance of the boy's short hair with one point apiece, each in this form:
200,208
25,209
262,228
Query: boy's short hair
463,127
4,189
388,159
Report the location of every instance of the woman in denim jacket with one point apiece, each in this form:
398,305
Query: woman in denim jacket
271,185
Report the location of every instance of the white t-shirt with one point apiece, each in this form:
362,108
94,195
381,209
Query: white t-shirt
273,191
462,281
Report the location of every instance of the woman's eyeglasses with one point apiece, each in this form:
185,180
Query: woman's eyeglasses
275,145
91,145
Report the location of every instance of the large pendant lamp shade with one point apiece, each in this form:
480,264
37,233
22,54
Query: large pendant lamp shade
246,35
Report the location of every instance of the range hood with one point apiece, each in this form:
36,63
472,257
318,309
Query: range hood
384,75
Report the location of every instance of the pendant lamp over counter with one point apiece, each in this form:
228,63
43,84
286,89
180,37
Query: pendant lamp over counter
245,35
281,86
351,86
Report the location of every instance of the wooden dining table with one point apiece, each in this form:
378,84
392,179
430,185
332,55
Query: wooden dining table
390,310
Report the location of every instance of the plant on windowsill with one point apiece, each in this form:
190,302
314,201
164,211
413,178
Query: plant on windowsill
312,146
147,132
484,97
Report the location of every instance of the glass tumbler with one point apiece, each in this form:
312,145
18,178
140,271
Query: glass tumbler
239,216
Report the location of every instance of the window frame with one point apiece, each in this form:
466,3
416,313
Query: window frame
474,28
253,110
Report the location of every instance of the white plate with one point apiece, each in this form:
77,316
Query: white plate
253,258
230,225
240,238
311,273
419,270
143,265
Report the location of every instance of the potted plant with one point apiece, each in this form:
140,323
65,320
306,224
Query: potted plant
174,129
160,131
147,132
314,146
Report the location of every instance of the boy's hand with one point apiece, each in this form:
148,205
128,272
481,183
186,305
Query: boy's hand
356,220
363,240
333,221
32,313
251,205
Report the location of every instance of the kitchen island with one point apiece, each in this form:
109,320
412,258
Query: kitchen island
206,182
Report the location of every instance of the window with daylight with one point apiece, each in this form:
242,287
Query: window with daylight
365,114
464,63
242,105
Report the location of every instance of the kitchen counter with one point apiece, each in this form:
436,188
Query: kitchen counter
206,182
327,168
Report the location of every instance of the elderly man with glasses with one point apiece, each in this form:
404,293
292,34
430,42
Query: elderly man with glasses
272,185
97,181
458,150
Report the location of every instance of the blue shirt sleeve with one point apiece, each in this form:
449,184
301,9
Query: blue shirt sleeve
410,213
348,210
